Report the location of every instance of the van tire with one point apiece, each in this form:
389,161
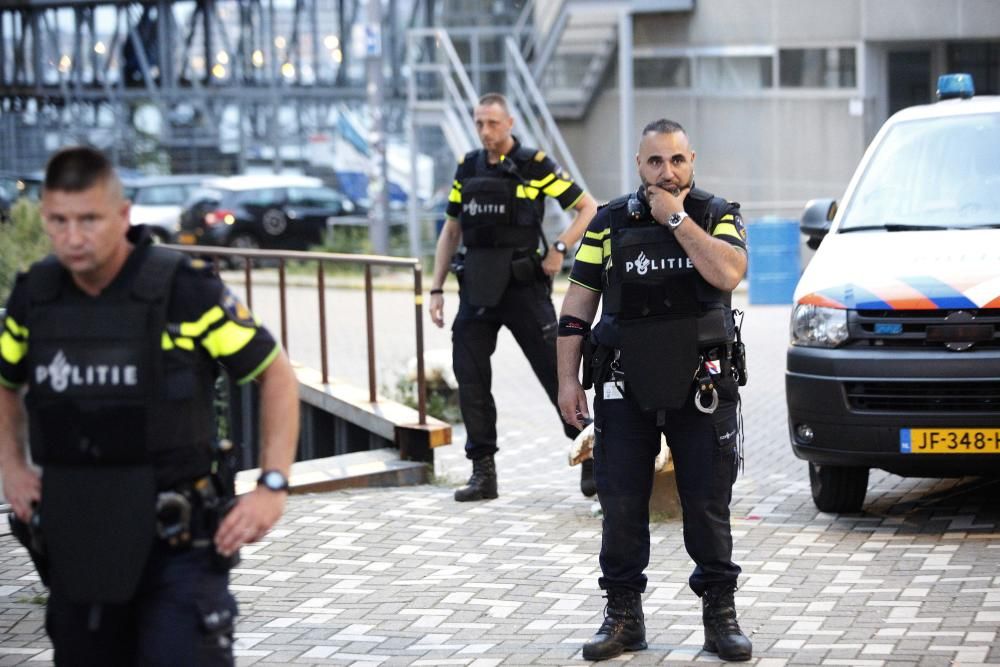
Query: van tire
837,488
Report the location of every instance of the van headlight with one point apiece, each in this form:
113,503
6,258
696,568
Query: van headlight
815,326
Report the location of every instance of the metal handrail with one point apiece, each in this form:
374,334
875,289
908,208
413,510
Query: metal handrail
321,259
535,105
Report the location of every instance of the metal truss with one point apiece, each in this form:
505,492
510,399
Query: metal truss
270,72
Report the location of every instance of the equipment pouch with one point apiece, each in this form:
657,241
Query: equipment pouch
30,536
524,269
659,358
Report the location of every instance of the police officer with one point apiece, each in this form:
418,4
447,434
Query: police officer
117,342
495,208
665,260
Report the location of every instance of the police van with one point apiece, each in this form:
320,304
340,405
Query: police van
894,360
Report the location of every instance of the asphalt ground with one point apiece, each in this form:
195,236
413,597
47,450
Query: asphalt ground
407,576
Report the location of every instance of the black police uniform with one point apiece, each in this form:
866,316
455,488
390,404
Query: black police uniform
500,208
661,322
120,412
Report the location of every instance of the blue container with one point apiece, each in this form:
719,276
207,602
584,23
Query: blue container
775,265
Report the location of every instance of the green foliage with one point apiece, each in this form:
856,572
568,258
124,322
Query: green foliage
22,241
442,400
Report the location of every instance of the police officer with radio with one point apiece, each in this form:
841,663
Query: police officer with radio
108,357
495,209
665,357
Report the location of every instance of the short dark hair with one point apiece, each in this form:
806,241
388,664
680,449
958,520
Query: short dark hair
663,126
78,168
495,98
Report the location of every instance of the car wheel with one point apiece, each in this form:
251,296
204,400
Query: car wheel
838,488
242,242
274,221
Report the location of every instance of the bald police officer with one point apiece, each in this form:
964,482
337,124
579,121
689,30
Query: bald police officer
495,209
667,359
108,357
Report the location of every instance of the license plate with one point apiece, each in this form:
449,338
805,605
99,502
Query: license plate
187,238
949,441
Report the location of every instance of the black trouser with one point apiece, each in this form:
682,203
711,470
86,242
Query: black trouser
704,452
527,311
181,614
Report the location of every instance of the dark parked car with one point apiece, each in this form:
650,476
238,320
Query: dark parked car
157,201
280,212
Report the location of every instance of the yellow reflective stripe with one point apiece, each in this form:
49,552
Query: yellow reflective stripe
261,367
541,183
726,229
455,196
727,216
195,329
596,236
16,328
575,202
558,188
606,246
228,339
12,350
589,254
526,193
168,343
587,287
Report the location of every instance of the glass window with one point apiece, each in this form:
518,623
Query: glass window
981,60
730,73
314,197
939,171
160,195
662,72
262,197
817,68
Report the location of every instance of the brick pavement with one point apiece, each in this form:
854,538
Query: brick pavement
409,577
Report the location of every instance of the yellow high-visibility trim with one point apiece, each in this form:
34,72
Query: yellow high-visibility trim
726,229
575,202
589,254
261,367
7,383
586,287
228,339
16,329
455,197
12,350
606,246
596,236
558,188
542,183
526,193
168,343
727,216
197,328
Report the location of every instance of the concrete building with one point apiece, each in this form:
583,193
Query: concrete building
781,97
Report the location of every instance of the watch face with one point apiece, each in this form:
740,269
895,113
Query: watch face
560,246
274,480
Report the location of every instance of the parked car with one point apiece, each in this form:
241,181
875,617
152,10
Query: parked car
14,186
282,212
157,201
894,360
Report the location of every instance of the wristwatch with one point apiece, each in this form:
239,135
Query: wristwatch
559,246
675,219
273,480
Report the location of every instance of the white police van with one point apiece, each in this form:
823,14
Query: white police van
894,360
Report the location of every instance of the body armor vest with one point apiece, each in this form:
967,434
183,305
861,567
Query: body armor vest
497,225
661,309
104,405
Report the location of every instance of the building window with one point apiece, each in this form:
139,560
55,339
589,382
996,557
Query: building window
981,60
733,73
650,72
818,68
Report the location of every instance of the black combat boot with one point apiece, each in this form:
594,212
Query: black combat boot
483,482
587,484
624,627
722,633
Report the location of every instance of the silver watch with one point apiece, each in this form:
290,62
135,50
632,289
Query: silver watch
675,219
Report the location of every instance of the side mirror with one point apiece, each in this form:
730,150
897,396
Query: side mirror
816,219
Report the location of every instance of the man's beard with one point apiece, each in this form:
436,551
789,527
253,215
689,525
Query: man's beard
667,185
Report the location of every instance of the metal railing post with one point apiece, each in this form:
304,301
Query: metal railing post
323,362
418,300
370,319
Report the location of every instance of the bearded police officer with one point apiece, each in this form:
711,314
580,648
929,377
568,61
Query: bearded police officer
117,343
495,209
665,358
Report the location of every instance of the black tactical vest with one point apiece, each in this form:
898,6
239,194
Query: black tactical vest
104,405
496,224
661,309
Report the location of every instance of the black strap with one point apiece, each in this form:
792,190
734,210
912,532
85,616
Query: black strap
156,274
45,280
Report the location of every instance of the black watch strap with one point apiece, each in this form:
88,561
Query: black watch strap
273,480
559,246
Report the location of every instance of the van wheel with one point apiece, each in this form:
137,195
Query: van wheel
245,242
838,489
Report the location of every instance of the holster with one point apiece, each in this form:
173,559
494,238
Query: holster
596,362
30,536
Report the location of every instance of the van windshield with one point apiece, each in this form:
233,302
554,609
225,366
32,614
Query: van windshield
932,172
